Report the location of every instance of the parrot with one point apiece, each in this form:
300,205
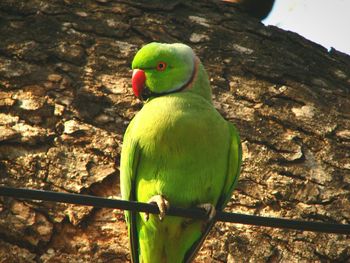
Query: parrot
177,151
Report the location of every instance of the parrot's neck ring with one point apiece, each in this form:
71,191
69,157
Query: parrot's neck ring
147,93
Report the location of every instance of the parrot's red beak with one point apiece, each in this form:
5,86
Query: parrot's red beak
138,82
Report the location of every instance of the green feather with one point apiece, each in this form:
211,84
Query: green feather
180,147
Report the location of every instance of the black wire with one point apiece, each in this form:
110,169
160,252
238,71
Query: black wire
196,213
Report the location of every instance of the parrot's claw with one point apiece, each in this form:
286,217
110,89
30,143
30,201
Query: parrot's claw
210,209
162,203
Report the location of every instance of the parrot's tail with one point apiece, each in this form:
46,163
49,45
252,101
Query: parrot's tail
172,240
192,252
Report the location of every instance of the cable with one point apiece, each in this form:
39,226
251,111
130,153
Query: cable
195,213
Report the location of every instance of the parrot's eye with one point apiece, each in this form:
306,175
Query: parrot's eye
161,66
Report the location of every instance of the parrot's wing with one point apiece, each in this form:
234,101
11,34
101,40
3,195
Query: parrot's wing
234,167
129,163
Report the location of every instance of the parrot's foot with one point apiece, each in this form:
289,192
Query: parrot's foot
162,203
210,209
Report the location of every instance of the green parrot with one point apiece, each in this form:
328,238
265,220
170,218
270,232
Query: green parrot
178,150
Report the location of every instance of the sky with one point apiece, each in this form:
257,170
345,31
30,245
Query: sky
326,22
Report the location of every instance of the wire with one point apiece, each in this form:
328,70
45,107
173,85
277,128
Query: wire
196,213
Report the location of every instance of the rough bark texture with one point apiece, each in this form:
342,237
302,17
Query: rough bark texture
65,102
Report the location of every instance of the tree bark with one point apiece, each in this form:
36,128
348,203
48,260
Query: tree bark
65,102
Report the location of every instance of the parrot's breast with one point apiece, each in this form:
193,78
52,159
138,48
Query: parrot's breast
184,145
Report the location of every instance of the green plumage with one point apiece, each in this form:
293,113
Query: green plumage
180,147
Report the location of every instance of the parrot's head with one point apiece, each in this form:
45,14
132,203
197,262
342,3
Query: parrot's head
161,69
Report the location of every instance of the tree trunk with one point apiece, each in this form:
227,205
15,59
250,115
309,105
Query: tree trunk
65,102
